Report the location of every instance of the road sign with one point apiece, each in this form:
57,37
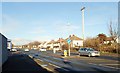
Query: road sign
68,41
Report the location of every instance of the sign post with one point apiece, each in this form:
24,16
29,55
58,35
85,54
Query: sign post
68,41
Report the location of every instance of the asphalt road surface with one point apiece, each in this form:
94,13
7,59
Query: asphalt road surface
21,63
55,63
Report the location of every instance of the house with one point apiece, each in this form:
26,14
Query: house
108,40
76,42
57,45
117,40
50,45
43,44
9,44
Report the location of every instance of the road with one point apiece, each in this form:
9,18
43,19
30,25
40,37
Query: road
55,63
21,63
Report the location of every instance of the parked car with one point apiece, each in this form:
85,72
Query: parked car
14,50
88,51
42,49
26,50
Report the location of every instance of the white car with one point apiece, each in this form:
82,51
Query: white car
26,49
14,50
42,49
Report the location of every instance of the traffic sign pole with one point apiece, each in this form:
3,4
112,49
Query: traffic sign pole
69,41
69,49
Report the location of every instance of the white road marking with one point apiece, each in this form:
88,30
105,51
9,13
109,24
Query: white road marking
46,68
44,65
104,65
58,66
30,56
111,64
41,60
108,66
54,65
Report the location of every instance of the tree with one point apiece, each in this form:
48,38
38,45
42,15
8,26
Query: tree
65,46
92,42
35,43
113,32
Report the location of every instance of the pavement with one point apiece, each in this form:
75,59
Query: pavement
21,63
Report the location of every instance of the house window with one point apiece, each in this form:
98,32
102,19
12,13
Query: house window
77,43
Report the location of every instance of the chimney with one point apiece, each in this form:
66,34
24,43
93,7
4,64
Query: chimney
69,35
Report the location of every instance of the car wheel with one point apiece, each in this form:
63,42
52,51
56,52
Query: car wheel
89,54
79,54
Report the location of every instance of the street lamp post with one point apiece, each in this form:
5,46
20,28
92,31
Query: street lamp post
83,22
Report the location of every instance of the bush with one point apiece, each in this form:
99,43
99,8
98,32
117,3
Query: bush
65,47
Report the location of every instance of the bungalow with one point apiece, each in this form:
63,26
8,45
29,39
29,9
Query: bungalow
58,44
43,44
76,42
50,45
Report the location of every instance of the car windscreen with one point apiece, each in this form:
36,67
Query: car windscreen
90,49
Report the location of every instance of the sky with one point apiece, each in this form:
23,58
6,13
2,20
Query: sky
23,22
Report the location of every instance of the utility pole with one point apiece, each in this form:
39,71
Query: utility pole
83,23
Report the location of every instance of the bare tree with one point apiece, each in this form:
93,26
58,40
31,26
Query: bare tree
113,32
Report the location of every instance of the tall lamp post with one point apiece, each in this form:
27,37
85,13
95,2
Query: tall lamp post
83,23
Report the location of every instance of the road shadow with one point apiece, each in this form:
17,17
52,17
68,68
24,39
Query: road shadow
67,62
22,63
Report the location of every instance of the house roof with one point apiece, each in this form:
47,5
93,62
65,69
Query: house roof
73,37
52,41
109,39
60,40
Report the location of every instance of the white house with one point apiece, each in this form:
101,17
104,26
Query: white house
50,45
76,42
57,45
9,44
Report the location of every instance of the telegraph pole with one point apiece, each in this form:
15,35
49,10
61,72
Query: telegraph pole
83,22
